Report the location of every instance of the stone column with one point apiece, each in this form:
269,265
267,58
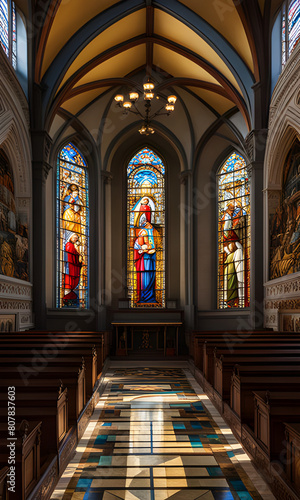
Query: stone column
41,144
255,145
187,225
104,240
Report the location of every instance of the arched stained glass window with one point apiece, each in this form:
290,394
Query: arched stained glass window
72,220
290,28
8,35
233,234
146,230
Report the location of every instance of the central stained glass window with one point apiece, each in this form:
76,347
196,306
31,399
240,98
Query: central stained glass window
233,234
146,230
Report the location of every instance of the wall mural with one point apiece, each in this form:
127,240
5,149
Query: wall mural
285,223
146,230
233,234
13,228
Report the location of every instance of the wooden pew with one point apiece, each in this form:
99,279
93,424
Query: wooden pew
51,410
3,483
249,350
207,345
26,364
292,434
260,346
224,367
271,411
59,343
101,340
74,381
244,383
27,467
232,339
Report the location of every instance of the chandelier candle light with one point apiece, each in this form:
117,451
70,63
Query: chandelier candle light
149,95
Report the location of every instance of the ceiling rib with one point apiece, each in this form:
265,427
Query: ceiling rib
149,33
51,12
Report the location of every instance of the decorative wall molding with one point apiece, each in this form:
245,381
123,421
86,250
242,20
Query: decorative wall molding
281,294
16,298
11,288
285,287
288,77
14,130
10,77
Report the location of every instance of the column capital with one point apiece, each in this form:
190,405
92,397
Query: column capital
185,175
41,145
41,170
106,177
255,145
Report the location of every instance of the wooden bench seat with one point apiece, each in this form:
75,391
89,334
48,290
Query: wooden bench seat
74,383
240,356
52,411
89,352
27,364
271,411
243,385
59,342
232,339
27,467
4,495
224,365
71,377
259,348
102,340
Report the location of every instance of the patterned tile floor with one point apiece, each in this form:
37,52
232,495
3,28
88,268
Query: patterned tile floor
153,436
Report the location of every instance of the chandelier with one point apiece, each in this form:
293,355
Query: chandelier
129,106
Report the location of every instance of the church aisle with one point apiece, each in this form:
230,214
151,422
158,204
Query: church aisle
153,436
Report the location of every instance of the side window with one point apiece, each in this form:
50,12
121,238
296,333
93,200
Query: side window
290,28
72,222
233,234
8,31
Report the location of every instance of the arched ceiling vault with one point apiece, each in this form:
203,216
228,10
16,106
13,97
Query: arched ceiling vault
207,48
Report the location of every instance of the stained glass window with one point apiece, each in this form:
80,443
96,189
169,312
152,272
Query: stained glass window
8,31
146,230
233,234
283,41
72,213
294,25
290,28
4,36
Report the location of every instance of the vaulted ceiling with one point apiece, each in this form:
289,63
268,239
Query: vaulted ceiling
207,52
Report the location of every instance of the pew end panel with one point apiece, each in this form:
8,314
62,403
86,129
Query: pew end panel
3,483
292,434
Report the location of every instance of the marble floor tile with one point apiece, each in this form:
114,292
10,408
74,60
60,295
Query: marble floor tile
155,435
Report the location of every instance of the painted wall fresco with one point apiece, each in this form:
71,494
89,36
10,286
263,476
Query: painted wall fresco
285,223
13,228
